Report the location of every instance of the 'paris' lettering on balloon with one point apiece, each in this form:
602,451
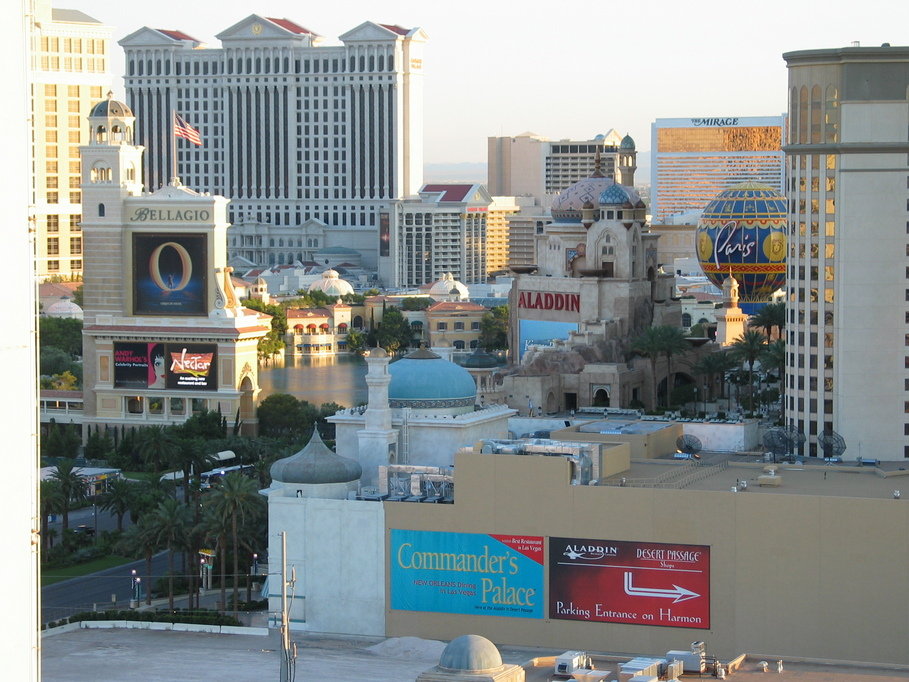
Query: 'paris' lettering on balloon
726,247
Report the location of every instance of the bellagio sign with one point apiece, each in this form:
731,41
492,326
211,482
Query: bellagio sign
537,300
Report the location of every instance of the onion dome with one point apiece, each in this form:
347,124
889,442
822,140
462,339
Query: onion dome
449,286
470,653
316,463
627,143
620,195
567,206
480,359
111,108
424,380
331,284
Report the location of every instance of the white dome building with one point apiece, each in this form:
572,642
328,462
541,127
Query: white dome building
449,289
331,284
64,308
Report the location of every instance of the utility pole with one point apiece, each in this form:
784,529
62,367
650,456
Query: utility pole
288,649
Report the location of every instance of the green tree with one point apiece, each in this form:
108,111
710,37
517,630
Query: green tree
353,299
62,333
156,446
416,303
208,425
650,345
774,356
770,316
673,343
169,524
356,340
494,328
711,365
215,528
62,440
71,485
53,360
142,539
191,457
118,498
51,502
98,445
748,348
79,296
394,331
237,498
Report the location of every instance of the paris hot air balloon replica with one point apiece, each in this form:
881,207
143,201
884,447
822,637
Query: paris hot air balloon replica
743,232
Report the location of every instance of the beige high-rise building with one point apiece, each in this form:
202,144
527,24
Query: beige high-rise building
497,232
847,320
70,72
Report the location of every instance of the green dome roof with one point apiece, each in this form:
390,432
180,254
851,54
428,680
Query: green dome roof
423,379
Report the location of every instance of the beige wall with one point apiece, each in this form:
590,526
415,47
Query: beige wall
791,575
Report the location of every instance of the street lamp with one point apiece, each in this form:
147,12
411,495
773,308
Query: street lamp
134,590
255,564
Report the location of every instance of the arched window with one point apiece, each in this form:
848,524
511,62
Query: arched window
310,329
342,328
832,115
100,210
686,320
357,322
803,115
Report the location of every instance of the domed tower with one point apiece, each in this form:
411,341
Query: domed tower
111,168
628,161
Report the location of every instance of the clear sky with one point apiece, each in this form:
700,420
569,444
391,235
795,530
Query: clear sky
564,68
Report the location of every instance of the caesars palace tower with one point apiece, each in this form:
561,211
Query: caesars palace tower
293,131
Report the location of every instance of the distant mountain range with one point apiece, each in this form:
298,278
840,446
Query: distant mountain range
476,172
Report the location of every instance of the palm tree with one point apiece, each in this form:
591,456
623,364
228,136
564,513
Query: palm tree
118,498
72,487
774,355
157,445
236,498
673,342
710,366
191,457
649,344
748,348
216,527
51,503
141,538
169,524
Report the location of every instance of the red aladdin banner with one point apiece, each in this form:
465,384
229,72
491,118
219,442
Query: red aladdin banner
640,583
536,300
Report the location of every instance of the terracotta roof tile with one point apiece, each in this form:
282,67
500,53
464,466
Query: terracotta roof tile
400,30
176,35
289,25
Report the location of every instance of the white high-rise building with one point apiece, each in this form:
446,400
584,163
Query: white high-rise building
848,309
694,159
293,130
70,71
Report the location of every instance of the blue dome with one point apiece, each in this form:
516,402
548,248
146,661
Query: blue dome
566,208
627,143
470,653
422,379
620,195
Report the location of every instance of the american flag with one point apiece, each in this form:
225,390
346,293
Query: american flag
186,131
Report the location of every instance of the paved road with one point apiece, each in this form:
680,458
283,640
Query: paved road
109,588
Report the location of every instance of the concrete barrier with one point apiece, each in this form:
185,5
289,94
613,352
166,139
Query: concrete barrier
154,625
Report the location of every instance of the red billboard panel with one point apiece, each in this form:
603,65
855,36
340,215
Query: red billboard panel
640,583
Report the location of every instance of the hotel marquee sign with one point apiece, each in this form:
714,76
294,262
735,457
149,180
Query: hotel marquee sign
145,214
714,122
537,300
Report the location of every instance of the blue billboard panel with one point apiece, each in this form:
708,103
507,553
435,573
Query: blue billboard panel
543,333
476,574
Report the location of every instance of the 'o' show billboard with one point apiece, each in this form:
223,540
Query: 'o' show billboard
641,583
477,574
169,274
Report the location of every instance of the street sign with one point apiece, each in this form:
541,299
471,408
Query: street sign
640,583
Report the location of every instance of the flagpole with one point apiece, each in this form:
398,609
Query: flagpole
173,144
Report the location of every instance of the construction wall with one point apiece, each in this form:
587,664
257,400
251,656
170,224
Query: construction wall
790,574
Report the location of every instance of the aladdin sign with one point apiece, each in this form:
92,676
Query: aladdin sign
536,300
169,215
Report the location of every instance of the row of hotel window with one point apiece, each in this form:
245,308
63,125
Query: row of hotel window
75,246
258,65
54,265
78,64
155,405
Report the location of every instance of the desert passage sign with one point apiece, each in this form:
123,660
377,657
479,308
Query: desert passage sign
472,573
643,583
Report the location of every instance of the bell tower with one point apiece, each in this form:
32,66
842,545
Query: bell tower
111,168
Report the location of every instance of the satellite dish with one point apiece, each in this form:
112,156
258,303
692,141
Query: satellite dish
795,438
690,445
776,442
831,443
